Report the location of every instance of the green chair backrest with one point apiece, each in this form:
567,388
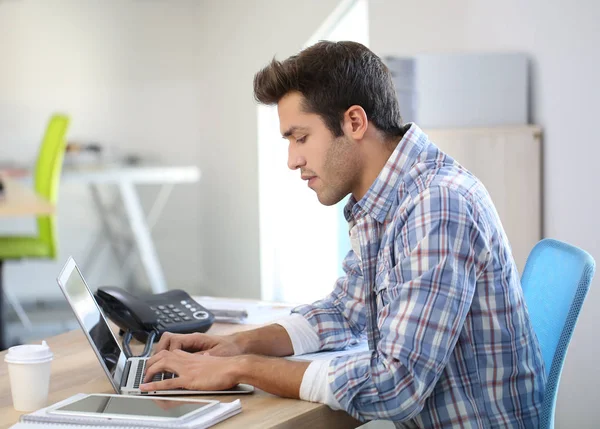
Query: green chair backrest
47,176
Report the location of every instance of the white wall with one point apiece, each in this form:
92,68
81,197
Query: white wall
170,79
173,79
562,39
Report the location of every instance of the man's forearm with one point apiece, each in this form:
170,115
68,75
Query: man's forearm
277,376
270,340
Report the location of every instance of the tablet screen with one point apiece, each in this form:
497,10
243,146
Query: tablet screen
132,407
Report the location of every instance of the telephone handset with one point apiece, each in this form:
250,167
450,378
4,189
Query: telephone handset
146,319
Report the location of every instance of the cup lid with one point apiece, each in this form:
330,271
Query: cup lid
29,353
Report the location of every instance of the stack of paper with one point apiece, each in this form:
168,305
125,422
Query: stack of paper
256,313
359,347
32,421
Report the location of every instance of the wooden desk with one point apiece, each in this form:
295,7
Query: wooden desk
75,369
19,200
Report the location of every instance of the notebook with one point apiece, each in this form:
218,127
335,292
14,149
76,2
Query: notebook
40,419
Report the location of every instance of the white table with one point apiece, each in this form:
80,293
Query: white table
125,178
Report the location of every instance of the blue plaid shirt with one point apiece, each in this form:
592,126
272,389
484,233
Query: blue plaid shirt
436,290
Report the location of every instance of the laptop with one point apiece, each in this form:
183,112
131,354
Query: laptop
125,374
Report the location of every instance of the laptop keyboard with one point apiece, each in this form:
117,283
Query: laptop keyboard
141,369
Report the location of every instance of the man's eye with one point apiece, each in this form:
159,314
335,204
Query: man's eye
301,139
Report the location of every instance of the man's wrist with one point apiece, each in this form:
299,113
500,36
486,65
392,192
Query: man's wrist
241,342
241,366
270,340
274,375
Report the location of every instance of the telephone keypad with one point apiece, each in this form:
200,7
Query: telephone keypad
180,310
171,313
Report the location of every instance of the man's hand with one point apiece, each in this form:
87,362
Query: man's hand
201,372
195,371
270,340
213,345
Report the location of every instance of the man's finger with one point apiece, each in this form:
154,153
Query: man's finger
163,343
176,343
156,357
165,364
203,342
170,384
181,352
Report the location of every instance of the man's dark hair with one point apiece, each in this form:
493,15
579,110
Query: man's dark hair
332,76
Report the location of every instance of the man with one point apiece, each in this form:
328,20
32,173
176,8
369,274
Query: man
430,278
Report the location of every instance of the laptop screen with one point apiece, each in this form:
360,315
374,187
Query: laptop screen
92,321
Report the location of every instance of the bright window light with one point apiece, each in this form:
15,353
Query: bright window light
302,243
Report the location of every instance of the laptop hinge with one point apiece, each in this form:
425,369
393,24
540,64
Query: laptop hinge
125,375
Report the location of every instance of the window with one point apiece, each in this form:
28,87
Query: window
302,242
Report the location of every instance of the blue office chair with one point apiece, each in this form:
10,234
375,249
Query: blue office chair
555,281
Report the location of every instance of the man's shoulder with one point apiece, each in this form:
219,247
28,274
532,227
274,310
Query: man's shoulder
446,178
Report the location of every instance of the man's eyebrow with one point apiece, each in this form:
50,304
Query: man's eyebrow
292,130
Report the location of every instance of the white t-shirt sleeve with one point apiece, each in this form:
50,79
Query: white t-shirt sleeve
304,337
315,385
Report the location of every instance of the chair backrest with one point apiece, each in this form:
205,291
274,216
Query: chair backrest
555,282
47,175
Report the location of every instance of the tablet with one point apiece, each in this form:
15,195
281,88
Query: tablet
136,408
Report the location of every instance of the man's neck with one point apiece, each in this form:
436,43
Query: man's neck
376,155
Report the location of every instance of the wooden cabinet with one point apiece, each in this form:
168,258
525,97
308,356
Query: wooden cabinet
508,162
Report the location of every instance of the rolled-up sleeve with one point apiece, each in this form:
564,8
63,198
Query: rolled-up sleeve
339,318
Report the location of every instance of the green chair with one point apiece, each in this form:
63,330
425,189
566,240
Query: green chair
47,176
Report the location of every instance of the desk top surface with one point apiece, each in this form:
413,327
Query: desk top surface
142,173
115,173
21,200
75,369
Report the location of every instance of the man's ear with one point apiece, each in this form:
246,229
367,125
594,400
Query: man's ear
355,122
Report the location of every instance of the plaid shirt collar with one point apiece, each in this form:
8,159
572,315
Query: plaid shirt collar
377,201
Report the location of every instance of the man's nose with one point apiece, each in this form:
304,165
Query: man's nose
295,159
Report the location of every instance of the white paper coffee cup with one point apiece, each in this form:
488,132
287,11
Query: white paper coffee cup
29,373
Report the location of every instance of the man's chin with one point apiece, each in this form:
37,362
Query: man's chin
328,200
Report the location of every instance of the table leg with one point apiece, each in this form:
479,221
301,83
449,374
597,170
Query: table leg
153,215
141,234
107,235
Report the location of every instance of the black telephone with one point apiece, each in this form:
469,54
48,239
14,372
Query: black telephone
146,319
